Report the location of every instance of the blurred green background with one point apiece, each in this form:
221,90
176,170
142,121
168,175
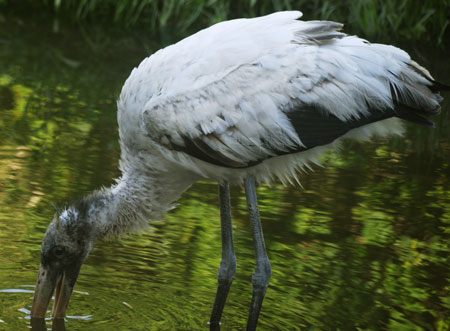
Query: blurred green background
382,19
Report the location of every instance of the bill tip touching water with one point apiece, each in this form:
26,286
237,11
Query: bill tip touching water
244,101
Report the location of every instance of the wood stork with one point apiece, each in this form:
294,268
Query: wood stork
242,101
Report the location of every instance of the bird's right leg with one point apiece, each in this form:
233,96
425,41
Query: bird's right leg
263,270
227,267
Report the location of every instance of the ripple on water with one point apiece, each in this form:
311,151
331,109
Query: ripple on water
15,290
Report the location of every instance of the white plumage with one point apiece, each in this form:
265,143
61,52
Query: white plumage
231,85
242,100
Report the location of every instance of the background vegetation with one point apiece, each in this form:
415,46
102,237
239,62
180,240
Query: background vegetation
380,19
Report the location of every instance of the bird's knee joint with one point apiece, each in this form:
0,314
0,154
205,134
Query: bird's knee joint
262,274
227,270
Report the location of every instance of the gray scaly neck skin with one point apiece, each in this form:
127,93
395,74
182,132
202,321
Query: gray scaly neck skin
124,207
109,212
128,205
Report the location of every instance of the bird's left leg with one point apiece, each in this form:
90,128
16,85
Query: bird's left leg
263,270
227,267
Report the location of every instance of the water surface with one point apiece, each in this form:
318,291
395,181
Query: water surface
363,246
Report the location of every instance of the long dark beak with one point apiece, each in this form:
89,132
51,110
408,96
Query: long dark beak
48,280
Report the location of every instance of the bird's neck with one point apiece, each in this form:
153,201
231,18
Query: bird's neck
134,200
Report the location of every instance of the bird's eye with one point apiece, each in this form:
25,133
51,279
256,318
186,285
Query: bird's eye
59,251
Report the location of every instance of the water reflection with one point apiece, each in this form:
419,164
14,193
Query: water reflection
363,246
39,324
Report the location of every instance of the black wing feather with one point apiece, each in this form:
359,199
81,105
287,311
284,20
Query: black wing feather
315,127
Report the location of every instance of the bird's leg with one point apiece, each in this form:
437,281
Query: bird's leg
228,263
263,270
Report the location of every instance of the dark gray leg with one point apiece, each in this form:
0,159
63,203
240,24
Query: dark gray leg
261,276
228,263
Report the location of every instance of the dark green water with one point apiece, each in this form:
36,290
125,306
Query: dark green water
363,246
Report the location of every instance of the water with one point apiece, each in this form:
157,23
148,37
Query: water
364,246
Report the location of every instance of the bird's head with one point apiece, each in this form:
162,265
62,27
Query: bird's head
66,244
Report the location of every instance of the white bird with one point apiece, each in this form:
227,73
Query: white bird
242,101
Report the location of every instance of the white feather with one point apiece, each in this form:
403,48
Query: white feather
230,86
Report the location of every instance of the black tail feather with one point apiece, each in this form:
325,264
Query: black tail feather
418,113
412,115
438,87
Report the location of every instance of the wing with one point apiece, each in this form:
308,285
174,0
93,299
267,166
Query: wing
258,88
